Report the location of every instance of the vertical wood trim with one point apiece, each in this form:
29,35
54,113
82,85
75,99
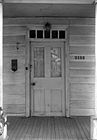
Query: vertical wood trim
1,55
96,60
27,76
94,118
63,75
67,71
50,1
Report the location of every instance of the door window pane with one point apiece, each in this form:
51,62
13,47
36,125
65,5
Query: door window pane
39,62
56,62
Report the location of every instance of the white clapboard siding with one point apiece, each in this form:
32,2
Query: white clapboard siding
84,80
13,39
35,21
82,21
14,89
14,109
82,71
14,31
82,30
14,82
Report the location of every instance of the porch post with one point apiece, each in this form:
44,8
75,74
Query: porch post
94,118
1,54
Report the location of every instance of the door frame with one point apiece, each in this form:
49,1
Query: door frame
28,67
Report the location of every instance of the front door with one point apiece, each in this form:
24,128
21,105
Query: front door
47,79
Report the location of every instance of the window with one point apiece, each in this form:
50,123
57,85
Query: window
39,33
32,34
61,34
47,34
56,62
54,34
39,62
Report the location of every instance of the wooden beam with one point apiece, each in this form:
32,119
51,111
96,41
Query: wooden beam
96,61
51,1
1,56
94,118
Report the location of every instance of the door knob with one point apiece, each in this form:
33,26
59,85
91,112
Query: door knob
33,84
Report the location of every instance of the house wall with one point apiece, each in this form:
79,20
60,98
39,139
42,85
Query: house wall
81,32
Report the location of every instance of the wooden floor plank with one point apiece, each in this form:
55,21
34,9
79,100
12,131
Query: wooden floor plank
83,126
62,124
57,135
84,137
71,126
48,128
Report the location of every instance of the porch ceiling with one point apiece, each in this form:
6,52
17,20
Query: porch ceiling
49,10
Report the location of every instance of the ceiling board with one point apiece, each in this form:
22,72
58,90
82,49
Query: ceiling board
48,10
51,1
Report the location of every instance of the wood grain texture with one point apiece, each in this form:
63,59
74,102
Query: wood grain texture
34,21
50,1
82,30
14,39
14,82
14,31
82,72
79,112
82,50
47,128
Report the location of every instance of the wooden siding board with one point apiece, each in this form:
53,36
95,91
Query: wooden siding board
82,87
82,30
82,49
82,64
85,96
81,112
82,21
14,89
82,104
14,31
14,39
84,80
18,78
13,99
14,109
82,72
34,21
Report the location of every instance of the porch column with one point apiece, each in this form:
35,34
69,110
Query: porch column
1,54
94,118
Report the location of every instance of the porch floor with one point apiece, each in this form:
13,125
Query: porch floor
49,128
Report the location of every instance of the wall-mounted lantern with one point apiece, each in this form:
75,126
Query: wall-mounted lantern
47,26
14,65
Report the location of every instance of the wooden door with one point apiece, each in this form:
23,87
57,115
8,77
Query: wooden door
47,79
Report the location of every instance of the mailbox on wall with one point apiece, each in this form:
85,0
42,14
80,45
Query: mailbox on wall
14,65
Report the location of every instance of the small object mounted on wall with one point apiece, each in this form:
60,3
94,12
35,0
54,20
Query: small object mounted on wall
47,26
14,65
17,45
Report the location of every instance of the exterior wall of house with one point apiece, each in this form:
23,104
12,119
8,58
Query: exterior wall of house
81,35
82,71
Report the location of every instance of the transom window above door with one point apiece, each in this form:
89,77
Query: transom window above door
47,34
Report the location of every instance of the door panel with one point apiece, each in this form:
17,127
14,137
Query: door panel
47,72
56,100
39,101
